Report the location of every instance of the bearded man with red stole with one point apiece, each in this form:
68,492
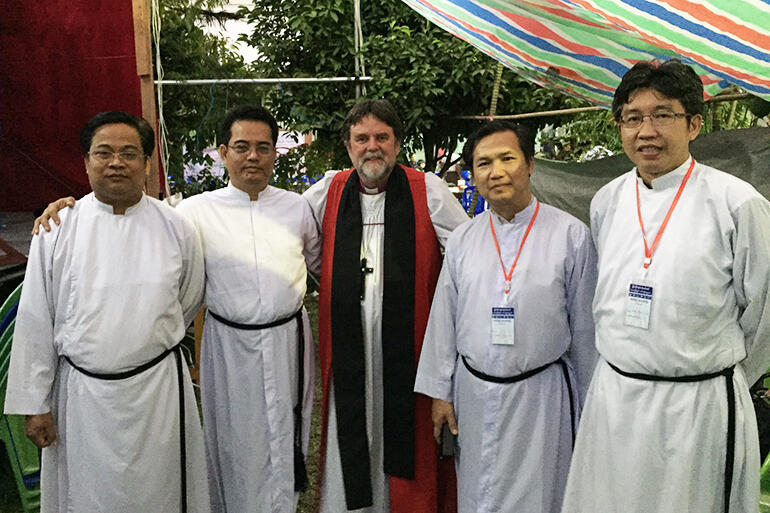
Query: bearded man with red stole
383,225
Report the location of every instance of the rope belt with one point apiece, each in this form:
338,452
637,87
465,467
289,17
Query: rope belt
300,472
529,374
729,387
180,383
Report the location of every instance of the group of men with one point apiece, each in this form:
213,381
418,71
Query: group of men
579,370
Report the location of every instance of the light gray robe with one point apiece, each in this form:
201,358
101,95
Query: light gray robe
515,440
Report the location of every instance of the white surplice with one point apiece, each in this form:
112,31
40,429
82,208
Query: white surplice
111,292
659,446
446,214
515,440
256,254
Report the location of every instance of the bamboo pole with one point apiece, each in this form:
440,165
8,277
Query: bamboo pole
577,110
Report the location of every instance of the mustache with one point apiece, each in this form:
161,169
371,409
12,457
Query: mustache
373,155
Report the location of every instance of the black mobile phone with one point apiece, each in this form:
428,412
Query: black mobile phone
447,442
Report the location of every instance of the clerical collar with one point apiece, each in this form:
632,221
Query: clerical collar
671,179
522,216
363,189
245,196
639,177
109,209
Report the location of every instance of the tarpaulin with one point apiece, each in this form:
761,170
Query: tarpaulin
584,47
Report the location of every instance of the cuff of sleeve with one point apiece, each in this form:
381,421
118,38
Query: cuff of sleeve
435,388
19,403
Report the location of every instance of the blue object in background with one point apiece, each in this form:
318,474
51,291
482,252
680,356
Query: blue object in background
467,198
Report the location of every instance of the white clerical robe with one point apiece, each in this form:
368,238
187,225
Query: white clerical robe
111,292
660,446
515,440
446,214
256,254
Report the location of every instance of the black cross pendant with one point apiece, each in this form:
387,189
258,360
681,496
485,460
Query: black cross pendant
364,271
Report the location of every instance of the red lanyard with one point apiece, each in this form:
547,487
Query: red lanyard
648,251
509,274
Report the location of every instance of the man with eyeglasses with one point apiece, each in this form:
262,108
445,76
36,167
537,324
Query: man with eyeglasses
257,351
682,313
96,364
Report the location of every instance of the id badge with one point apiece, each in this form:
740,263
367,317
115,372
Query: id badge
503,325
639,304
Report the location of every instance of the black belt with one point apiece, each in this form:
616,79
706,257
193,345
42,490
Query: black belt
529,374
180,382
300,472
730,388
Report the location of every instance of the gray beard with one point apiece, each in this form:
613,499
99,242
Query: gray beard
378,176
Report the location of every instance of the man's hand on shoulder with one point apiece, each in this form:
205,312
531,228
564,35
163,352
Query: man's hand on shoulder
40,429
52,213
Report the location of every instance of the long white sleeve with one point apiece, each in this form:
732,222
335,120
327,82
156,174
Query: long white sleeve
34,359
751,279
192,285
580,285
439,350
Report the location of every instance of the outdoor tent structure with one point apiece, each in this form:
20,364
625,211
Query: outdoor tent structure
583,47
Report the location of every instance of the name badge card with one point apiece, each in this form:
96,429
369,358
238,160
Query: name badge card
639,304
502,325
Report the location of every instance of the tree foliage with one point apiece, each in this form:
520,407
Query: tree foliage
586,136
428,74
192,112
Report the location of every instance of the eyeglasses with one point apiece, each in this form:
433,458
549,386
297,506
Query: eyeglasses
243,148
107,156
662,118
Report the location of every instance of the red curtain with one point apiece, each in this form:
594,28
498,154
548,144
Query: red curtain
61,62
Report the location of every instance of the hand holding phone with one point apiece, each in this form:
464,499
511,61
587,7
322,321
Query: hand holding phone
447,442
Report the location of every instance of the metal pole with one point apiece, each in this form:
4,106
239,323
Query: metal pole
307,80
357,41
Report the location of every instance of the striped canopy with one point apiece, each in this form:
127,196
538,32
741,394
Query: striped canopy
583,47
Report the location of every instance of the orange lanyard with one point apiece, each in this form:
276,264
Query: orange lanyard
648,251
508,275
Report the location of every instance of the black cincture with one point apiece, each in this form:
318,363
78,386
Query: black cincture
300,472
177,350
529,374
730,388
